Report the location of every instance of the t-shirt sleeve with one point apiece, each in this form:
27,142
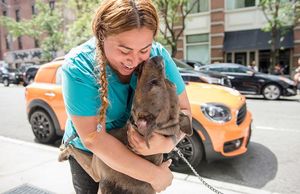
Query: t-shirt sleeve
79,87
172,72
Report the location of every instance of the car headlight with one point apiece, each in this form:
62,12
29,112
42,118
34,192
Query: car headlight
215,112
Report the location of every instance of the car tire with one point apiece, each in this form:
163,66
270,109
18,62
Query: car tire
6,82
43,127
271,92
192,149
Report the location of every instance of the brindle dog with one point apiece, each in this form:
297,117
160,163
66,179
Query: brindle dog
156,109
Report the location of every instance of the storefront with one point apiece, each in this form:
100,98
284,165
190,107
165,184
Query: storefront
253,46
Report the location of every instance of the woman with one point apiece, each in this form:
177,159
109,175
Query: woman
99,75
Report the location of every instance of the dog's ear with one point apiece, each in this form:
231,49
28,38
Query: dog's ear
139,69
185,124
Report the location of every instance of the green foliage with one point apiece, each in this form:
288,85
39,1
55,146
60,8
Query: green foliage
46,26
280,15
172,14
80,30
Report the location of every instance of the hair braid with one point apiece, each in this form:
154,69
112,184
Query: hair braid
103,82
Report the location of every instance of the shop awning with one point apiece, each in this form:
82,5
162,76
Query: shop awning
254,40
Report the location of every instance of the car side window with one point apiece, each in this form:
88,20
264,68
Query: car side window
195,79
242,70
58,76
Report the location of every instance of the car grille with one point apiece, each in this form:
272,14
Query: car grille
241,114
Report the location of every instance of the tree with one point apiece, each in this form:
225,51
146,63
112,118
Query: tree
46,26
280,15
173,14
80,30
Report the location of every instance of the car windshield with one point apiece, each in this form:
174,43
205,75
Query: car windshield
181,64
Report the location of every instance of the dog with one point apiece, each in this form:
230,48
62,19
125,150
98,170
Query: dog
155,108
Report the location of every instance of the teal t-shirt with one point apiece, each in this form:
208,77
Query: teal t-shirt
80,87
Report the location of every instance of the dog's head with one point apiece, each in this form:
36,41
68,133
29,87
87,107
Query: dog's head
155,106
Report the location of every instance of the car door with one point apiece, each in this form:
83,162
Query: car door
243,79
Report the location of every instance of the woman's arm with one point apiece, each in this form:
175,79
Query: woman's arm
112,152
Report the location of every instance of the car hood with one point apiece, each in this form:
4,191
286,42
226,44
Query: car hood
268,76
276,78
200,93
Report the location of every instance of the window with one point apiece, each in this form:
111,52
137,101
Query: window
4,13
20,42
197,6
33,11
229,57
236,4
197,48
7,43
36,43
17,15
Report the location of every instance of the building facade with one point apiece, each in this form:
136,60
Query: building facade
230,31
23,49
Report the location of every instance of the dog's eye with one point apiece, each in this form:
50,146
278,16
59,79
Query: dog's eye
154,82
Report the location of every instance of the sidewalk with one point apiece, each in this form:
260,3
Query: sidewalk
33,168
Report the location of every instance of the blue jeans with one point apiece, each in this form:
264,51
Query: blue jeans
82,182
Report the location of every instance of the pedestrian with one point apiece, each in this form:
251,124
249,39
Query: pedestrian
297,73
97,78
253,66
278,70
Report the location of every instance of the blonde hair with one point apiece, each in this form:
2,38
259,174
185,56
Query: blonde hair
114,17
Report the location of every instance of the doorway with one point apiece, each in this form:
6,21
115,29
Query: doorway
241,58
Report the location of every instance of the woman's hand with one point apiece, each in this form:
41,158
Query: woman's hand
164,177
158,143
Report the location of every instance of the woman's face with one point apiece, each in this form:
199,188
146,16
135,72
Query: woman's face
126,50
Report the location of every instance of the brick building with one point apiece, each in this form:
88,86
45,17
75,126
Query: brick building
23,49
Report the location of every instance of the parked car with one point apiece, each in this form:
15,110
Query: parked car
249,81
29,74
193,63
189,74
10,76
221,121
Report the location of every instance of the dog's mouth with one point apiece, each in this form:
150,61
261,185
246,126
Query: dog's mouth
144,126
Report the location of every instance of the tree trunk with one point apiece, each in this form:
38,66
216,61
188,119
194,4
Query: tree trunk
174,50
273,50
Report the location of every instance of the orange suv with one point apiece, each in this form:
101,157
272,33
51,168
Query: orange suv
221,121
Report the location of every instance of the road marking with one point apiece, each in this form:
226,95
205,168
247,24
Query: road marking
30,144
276,129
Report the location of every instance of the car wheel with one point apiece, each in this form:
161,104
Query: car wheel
192,149
6,82
42,127
271,92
